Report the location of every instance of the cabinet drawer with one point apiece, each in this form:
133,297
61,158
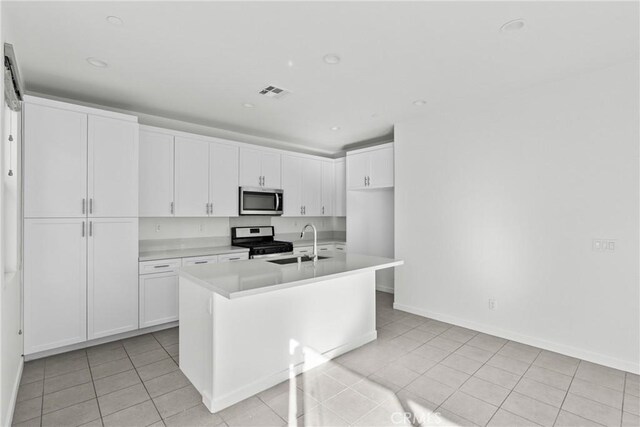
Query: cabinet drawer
159,266
304,250
325,248
233,257
341,247
197,260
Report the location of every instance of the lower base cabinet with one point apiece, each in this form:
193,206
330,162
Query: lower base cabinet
158,292
80,280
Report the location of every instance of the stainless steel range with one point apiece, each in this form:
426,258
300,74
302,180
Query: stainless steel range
260,242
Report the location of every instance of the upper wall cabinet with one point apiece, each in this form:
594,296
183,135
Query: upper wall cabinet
328,188
259,168
223,180
55,162
302,185
79,161
156,174
113,167
340,208
191,177
370,168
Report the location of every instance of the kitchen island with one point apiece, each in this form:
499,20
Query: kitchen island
249,325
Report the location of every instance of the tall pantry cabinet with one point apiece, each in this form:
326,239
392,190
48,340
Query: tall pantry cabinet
80,224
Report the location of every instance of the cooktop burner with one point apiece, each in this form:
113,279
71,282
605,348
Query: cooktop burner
259,240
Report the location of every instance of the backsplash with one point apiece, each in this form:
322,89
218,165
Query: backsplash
169,233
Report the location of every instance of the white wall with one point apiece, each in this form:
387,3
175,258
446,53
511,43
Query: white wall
10,280
502,199
184,228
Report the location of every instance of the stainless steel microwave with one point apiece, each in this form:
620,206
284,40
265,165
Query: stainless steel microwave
260,201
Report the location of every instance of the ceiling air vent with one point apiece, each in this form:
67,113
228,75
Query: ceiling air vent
274,92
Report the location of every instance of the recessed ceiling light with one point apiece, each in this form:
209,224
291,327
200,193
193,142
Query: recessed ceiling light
248,105
419,102
97,62
331,59
334,128
290,63
515,25
114,20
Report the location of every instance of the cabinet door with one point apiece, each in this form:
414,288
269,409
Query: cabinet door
112,276
312,187
381,168
271,170
328,188
113,167
250,167
156,174
292,185
192,177
223,179
55,162
55,283
357,170
340,189
158,298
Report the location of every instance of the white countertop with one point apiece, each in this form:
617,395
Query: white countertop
244,278
184,253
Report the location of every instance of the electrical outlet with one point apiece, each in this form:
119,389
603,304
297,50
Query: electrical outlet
603,245
493,304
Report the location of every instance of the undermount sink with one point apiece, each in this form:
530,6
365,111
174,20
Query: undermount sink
295,260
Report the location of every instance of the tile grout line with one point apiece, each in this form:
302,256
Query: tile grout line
624,395
95,393
516,385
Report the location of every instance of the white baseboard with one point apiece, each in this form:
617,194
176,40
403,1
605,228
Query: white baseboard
98,341
222,402
385,288
8,416
579,353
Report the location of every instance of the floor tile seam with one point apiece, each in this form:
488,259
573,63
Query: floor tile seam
105,362
624,395
68,387
143,385
86,399
150,363
45,377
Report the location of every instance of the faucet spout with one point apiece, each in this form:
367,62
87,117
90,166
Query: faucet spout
315,240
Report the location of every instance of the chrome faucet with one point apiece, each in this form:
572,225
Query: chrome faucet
315,241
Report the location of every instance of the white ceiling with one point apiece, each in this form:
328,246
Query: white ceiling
200,61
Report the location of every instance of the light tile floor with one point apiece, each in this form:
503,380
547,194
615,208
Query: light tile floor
419,371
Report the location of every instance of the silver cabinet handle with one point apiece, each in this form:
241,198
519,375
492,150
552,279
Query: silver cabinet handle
304,210
300,209
84,206
323,210
90,228
233,259
82,228
201,262
91,205
161,266
172,208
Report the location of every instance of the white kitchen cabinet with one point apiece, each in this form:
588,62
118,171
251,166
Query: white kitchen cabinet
311,187
303,250
292,185
113,167
191,177
198,260
112,272
55,162
340,208
159,292
259,168
233,257
223,179
328,188
55,283
302,185
156,174
341,247
370,168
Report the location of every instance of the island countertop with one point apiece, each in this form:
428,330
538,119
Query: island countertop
255,276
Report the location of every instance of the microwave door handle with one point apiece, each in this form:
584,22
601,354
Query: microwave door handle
277,202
